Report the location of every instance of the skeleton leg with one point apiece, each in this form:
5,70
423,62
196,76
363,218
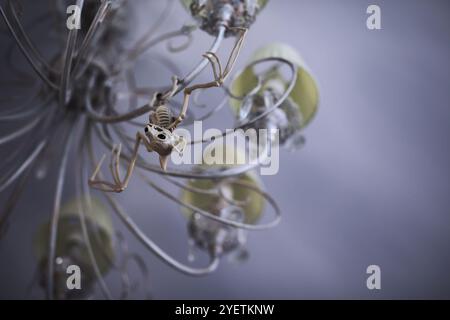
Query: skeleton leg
118,186
212,57
114,163
116,170
235,51
171,91
187,94
219,76
100,185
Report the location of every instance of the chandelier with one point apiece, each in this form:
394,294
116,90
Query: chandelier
82,115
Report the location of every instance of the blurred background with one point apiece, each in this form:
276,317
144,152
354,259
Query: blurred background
370,186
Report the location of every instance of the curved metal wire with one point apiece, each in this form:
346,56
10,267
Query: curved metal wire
53,233
26,53
30,159
79,189
228,222
67,61
102,11
153,27
27,40
23,130
276,105
7,211
183,46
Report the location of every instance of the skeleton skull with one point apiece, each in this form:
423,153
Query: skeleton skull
163,141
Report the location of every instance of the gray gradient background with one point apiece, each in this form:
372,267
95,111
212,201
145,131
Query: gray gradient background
371,186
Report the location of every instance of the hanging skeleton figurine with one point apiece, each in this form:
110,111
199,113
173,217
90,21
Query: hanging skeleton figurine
159,135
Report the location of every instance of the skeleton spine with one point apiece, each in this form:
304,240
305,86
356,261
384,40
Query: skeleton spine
163,116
